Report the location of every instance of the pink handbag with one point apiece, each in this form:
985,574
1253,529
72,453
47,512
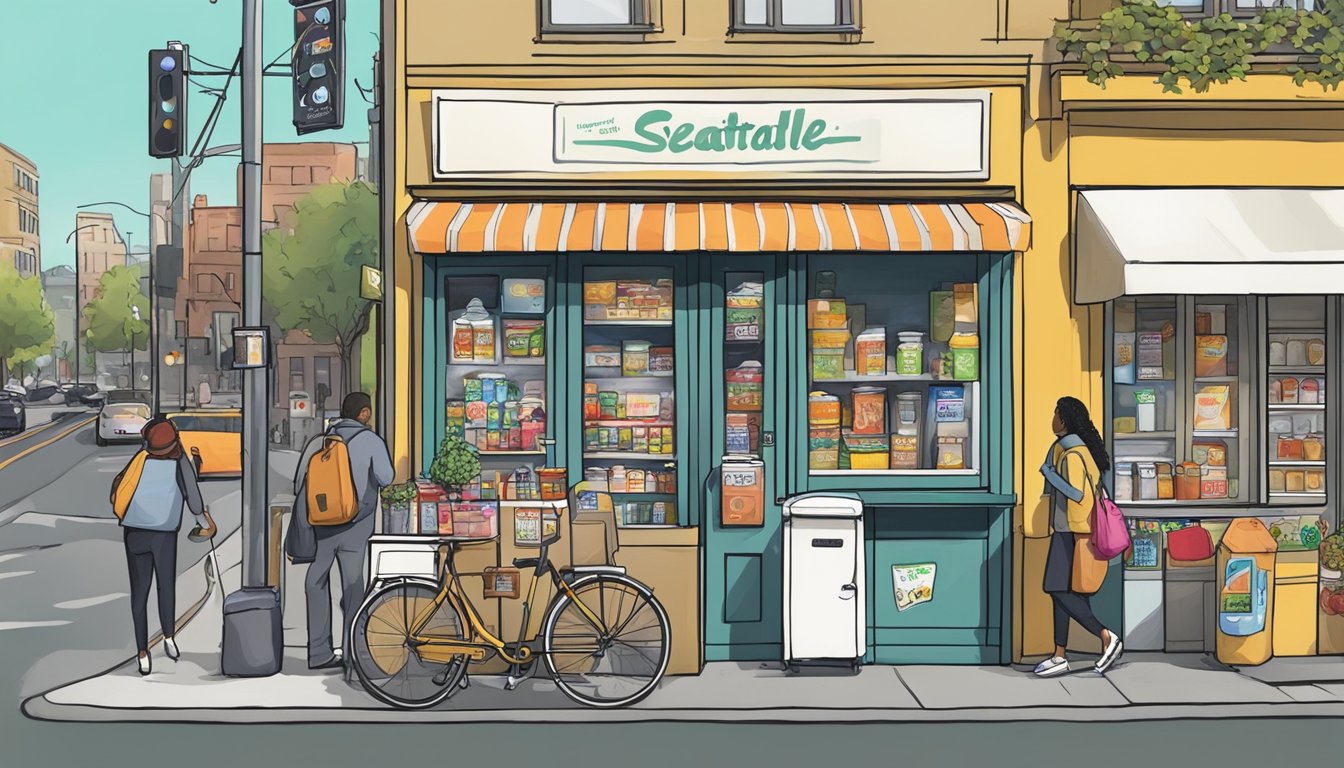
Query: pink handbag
1110,535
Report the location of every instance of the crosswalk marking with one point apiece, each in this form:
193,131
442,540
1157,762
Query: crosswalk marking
88,602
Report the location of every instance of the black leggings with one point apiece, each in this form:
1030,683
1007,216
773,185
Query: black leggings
1071,605
152,553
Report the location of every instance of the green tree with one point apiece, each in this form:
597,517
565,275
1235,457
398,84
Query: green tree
311,268
31,361
111,322
26,320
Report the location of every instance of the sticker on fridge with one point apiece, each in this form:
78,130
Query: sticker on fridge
913,584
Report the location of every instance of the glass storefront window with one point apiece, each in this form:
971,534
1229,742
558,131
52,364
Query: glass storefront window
744,361
1218,401
1295,444
629,391
496,337
893,365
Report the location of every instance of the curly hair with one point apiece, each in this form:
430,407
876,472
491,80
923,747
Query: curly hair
1077,422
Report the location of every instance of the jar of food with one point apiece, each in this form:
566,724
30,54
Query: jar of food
1124,481
1332,583
592,409
870,352
661,361
965,348
1296,352
1147,481
1188,475
823,410
635,358
1166,488
607,401
1278,353
1313,447
553,482
910,353
1315,352
1288,390
870,410
907,413
602,356
595,478
1309,392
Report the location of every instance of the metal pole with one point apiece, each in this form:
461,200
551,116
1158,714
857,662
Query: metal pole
79,302
255,415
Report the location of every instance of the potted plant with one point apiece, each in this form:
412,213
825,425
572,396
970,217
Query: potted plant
455,465
397,507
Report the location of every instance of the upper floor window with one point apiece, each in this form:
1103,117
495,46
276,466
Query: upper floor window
1239,8
25,181
795,15
596,15
27,221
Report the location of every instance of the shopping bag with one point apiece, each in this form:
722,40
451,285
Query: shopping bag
1110,535
1089,570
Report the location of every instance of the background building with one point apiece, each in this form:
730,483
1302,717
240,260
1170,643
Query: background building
208,293
100,247
58,285
20,242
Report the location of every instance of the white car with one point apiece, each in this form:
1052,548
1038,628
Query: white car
121,423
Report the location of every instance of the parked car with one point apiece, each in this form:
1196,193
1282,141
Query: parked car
213,438
45,391
13,413
80,394
121,422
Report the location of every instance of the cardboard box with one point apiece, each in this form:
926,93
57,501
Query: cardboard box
826,313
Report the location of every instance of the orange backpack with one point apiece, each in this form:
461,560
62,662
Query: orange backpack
125,483
331,486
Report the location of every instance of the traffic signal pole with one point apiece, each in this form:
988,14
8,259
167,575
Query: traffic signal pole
255,414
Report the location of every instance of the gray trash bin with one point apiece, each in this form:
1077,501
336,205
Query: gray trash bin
253,644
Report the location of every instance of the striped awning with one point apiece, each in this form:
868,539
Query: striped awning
455,227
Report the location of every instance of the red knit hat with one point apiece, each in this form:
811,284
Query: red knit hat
161,439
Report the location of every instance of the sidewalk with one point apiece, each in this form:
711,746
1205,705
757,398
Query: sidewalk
1141,687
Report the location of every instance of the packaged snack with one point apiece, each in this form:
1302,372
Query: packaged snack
870,410
1212,407
826,313
1210,356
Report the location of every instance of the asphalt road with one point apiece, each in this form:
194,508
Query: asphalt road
63,616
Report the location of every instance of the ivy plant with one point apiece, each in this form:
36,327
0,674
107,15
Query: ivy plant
1207,50
400,493
455,464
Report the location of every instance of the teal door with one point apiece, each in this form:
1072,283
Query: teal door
743,352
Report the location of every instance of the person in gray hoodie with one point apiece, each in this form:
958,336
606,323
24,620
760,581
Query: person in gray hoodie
345,545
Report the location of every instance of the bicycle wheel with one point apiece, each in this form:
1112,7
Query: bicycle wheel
385,659
616,660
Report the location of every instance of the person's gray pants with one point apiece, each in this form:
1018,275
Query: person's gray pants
344,545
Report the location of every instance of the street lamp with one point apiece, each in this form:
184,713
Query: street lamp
79,306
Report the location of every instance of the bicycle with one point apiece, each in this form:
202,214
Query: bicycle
604,638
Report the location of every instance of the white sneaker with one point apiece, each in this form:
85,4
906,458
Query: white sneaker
170,648
1051,667
1108,656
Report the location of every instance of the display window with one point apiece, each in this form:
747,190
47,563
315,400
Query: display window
497,346
894,368
1218,401
629,400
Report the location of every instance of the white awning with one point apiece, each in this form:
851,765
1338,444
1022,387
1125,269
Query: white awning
1207,241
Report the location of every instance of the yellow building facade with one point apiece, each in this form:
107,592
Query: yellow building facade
460,86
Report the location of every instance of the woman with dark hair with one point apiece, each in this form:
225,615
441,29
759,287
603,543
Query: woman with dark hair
1073,571
149,495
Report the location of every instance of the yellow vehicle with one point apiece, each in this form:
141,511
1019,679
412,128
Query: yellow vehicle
213,437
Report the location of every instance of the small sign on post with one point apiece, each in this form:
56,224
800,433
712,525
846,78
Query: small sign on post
370,283
251,348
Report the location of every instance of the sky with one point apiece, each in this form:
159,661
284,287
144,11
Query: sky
74,98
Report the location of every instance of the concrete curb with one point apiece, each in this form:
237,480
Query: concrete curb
42,709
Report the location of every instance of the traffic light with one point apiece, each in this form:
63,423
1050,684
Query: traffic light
318,62
168,102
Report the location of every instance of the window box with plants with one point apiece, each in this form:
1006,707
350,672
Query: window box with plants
397,507
1181,47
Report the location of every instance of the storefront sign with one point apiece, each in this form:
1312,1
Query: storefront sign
913,584
370,283
941,134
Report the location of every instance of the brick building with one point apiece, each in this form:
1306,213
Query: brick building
20,243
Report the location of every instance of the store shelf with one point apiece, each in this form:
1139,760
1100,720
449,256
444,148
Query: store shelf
511,453
626,423
1165,435
650,527
504,363
1216,433
631,323
619,377
1277,463
1218,379
641,494
1312,369
1145,382
1305,496
853,378
891,472
1295,407
628,456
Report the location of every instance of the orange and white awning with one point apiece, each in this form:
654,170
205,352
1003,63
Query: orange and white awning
455,227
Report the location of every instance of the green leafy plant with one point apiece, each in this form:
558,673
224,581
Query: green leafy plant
455,464
400,493
26,321
1203,51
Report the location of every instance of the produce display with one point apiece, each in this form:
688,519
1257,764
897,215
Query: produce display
1332,552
